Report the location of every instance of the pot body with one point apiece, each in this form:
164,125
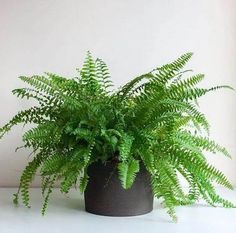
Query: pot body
104,194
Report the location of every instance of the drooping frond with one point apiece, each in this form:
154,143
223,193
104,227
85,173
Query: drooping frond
127,172
27,177
49,191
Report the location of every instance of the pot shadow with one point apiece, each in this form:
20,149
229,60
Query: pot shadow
75,203
70,203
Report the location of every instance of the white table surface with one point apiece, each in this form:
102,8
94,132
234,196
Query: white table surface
66,214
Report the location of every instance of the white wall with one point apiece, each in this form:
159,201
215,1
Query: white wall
132,36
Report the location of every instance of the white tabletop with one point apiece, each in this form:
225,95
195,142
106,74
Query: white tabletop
67,215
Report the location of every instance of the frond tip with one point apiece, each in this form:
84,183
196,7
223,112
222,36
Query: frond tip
127,172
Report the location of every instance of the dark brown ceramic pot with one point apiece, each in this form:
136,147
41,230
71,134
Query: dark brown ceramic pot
104,194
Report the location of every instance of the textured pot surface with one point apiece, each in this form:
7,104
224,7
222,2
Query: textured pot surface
104,194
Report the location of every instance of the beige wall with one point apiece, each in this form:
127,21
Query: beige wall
132,36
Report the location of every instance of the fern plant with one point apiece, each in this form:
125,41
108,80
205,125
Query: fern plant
154,119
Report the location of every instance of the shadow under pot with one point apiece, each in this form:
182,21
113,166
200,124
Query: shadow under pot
104,194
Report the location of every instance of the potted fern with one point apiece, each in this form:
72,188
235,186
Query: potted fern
123,147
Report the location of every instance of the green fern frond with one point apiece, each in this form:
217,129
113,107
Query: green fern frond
40,83
69,180
79,160
125,147
32,115
53,164
88,75
220,87
169,175
29,93
103,75
190,82
204,143
28,176
49,191
199,166
148,160
160,190
182,122
169,71
38,136
130,85
45,180
188,94
83,182
194,191
210,196
127,172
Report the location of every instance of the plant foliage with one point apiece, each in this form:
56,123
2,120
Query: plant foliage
153,119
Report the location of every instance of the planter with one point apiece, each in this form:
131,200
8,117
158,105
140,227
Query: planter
104,194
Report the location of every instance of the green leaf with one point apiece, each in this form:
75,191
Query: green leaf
127,172
83,182
125,146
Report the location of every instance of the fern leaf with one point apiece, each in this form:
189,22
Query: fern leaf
169,71
125,147
83,182
162,191
28,176
49,191
53,164
204,143
103,76
127,172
